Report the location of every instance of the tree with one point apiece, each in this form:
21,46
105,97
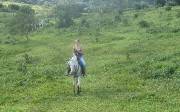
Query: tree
103,5
13,7
141,5
1,5
67,12
23,22
160,2
177,1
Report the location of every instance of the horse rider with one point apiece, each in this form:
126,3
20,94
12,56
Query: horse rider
77,50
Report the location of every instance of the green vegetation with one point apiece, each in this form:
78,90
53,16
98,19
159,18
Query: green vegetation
66,14
133,61
23,22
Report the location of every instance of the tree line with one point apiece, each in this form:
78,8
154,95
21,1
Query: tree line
25,21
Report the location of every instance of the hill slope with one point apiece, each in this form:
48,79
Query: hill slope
133,66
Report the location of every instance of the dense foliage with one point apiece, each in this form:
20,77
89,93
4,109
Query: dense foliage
66,14
23,22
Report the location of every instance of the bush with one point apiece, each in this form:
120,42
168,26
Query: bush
66,13
13,7
23,22
117,18
23,62
22,65
10,40
128,56
144,24
4,8
27,10
64,23
164,70
141,5
166,29
170,3
177,2
1,5
168,8
153,69
125,21
28,58
84,23
160,2
178,15
120,12
136,15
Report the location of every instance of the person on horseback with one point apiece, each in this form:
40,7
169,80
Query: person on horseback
77,50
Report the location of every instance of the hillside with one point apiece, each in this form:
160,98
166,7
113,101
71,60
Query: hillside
133,65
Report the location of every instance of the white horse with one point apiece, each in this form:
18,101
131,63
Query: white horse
75,71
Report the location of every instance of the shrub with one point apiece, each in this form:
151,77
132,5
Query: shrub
175,30
84,23
163,70
137,6
144,24
177,2
160,2
66,13
1,5
120,12
168,8
125,21
117,18
152,69
64,23
23,22
128,56
23,61
170,3
141,5
178,15
13,7
27,10
28,58
22,65
136,15
96,39
4,8
10,40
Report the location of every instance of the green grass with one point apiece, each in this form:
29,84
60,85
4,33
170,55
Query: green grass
130,69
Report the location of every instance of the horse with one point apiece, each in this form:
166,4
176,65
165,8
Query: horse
74,69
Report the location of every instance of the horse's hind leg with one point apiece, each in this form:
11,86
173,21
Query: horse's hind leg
74,85
78,85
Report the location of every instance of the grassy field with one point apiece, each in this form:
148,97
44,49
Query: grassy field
133,65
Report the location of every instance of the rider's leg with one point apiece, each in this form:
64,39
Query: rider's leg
83,65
